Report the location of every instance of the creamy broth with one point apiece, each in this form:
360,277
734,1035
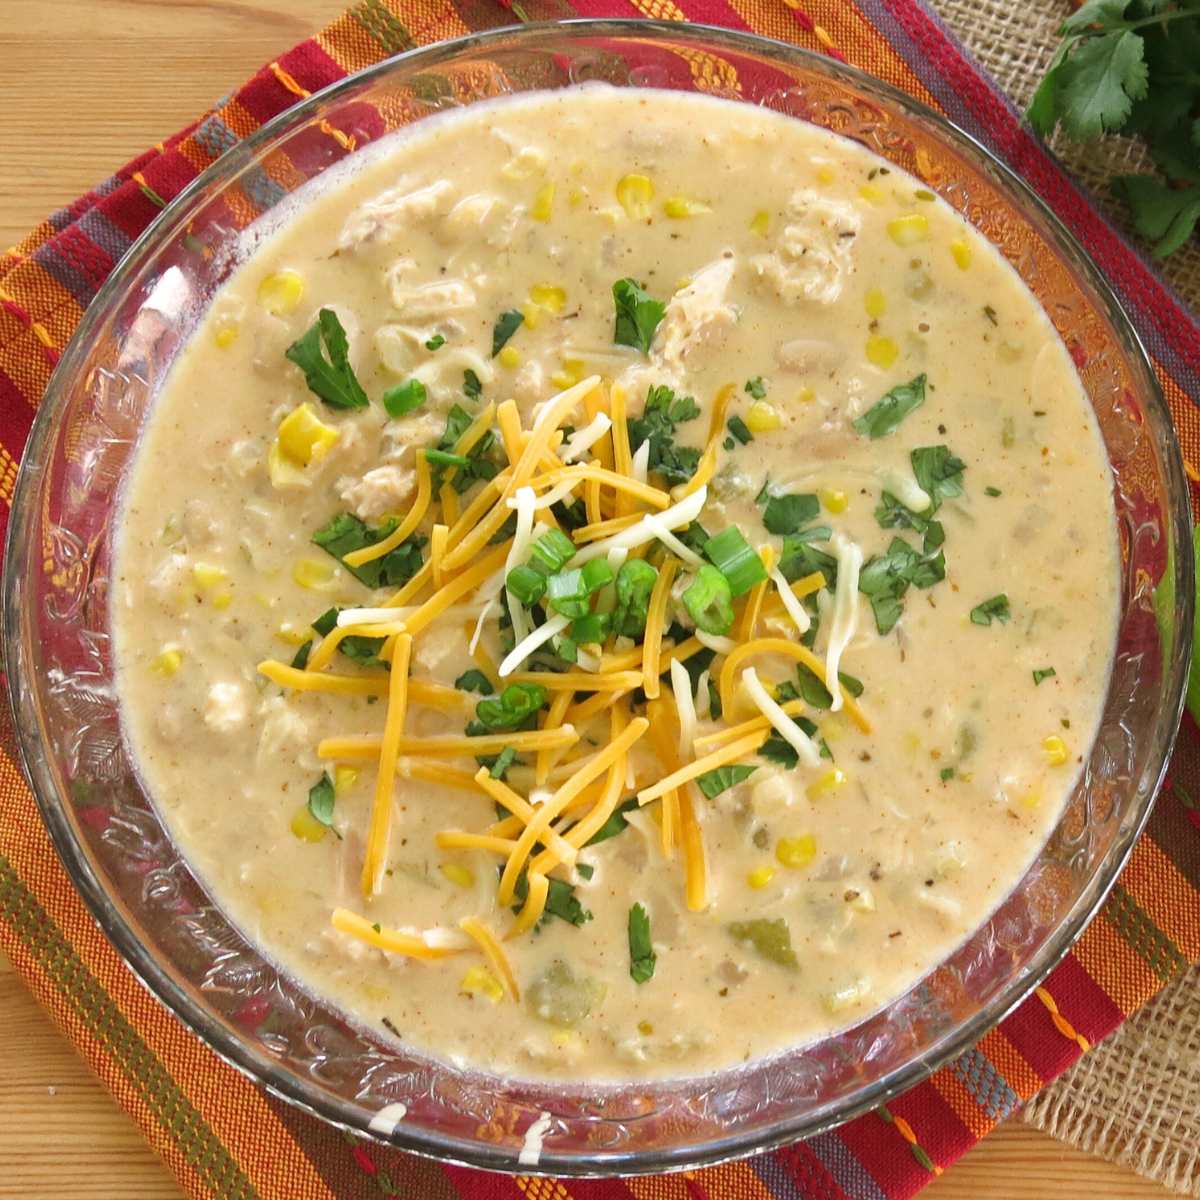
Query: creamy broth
827,288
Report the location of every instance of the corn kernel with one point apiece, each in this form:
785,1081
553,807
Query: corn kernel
826,175
222,599
225,335
760,223
806,395
960,248
344,778
287,632
576,196
1056,750
645,1028
543,203
833,499
909,229
458,875
562,1039
1031,799
306,827
845,997
524,163
282,471
763,417
510,356
571,373
872,194
678,208
634,193
532,314
208,576
304,437
280,293
168,662
546,295
882,351
863,900
796,852
479,981
830,781
312,573
760,877
875,303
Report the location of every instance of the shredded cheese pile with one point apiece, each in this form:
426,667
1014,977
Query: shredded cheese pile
578,787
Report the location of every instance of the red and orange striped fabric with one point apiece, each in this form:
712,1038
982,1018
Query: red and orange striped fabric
224,1138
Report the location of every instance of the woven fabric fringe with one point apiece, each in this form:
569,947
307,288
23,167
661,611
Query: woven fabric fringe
1135,1099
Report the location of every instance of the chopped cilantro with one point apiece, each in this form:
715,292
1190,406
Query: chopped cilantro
994,609
436,342
641,949
560,901
507,323
886,414
321,798
719,779
891,514
946,773
472,388
346,533
799,557
1043,673
939,473
474,466
637,315
663,412
991,491
329,375
614,825
786,514
300,660
474,680
886,577
756,387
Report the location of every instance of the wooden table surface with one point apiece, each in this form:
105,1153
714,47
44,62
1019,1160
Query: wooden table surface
89,83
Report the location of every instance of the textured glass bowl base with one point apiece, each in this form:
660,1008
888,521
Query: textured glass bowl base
131,874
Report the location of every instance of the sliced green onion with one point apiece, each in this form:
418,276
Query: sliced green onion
567,594
740,430
526,584
406,398
512,707
566,649
552,551
709,601
443,458
735,558
592,628
597,574
635,582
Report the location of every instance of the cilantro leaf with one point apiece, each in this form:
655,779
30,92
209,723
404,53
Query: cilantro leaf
473,466
885,578
641,949
472,388
939,473
1043,673
799,557
1098,83
663,412
321,798
994,609
886,414
637,315
346,533
1100,13
1162,214
891,514
507,323
785,514
560,901
474,680
614,825
331,378
756,388
719,779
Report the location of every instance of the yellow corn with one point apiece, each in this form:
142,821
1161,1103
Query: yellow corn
833,779
882,351
312,573
543,203
479,981
796,852
806,395
1056,750
760,223
207,576
634,193
833,499
570,375
546,295
280,293
872,194
960,248
845,997
168,662
510,357
458,875
680,207
287,632
863,901
281,469
760,877
222,599
532,314
909,229
576,196
304,437
225,334
645,1028
306,827
763,417
825,175
875,303
1030,799
344,778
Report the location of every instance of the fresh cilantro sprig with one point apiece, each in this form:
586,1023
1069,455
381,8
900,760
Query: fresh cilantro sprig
1130,66
323,354
637,315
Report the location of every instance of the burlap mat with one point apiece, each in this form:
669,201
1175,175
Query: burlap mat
1135,1099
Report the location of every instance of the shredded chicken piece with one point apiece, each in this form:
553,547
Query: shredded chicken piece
814,253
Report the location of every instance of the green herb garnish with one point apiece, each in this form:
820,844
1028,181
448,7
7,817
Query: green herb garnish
946,774
615,823
771,938
736,559
331,378
637,315
885,415
405,398
300,658
436,342
518,703
507,323
939,473
346,533
994,609
526,584
756,387
1043,673
560,901
474,680
641,949
709,600
886,577
321,799
472,388
664,411
635,582
891,514
786,514
991,491
720,779
740,430
551,552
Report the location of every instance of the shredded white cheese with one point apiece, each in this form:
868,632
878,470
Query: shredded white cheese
678,516
703,697
639,465
685,702
791,601
845,612
531,1147
526,503
714,641
787,729
582,440
672,543
388,1117
539,637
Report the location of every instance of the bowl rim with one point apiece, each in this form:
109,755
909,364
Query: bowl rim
428,1141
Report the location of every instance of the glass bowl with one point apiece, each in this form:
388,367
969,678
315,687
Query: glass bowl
139,887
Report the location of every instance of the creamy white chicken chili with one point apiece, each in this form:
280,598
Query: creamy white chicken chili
620,584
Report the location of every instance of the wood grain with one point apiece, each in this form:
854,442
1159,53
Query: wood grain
90,84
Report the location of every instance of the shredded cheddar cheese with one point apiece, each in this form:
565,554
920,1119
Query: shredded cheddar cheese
375,861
